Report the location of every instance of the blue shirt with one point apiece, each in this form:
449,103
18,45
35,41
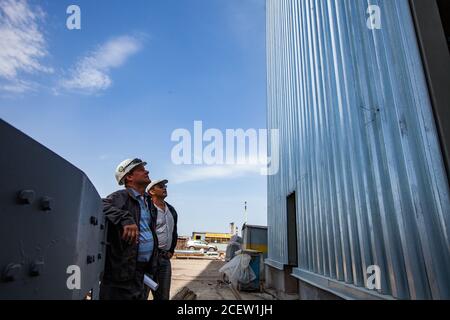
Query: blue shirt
146,243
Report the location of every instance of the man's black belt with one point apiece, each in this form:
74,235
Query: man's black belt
163,253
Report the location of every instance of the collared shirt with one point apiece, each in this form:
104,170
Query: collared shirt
146,242
164,228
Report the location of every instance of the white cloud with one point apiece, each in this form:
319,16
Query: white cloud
244,166
92,72
22,44
17,86
196,173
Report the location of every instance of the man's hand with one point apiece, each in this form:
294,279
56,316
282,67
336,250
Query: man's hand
169,255
130,233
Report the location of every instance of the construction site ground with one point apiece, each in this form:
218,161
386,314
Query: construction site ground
203,278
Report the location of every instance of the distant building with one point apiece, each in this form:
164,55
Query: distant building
255,238
182,243
212,237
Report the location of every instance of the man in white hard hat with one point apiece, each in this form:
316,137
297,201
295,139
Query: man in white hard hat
166,231
130,235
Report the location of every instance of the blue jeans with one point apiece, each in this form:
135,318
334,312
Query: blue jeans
163,277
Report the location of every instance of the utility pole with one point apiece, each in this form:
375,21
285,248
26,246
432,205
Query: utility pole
245,213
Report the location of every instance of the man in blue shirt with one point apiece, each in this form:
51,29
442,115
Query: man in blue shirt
131,236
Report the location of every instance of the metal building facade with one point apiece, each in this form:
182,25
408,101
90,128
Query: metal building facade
359,147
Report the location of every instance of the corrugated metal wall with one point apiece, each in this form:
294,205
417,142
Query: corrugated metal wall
358,146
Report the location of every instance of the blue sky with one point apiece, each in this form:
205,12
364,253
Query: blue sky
134,73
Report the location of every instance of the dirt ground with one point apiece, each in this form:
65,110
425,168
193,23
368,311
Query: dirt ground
203,278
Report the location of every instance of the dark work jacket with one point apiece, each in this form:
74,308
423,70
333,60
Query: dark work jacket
154,213
121,208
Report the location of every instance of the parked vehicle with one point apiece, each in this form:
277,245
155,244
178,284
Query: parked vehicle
200,244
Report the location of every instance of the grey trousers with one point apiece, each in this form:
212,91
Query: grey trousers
163,278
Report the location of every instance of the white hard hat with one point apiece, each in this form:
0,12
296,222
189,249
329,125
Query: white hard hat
154,183
125,167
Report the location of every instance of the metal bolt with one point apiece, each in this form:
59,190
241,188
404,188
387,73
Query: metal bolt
26,196
46,203
94,221
99,256
36,268
11,272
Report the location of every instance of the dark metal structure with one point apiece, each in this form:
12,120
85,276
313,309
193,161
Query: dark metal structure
52,231
432,23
